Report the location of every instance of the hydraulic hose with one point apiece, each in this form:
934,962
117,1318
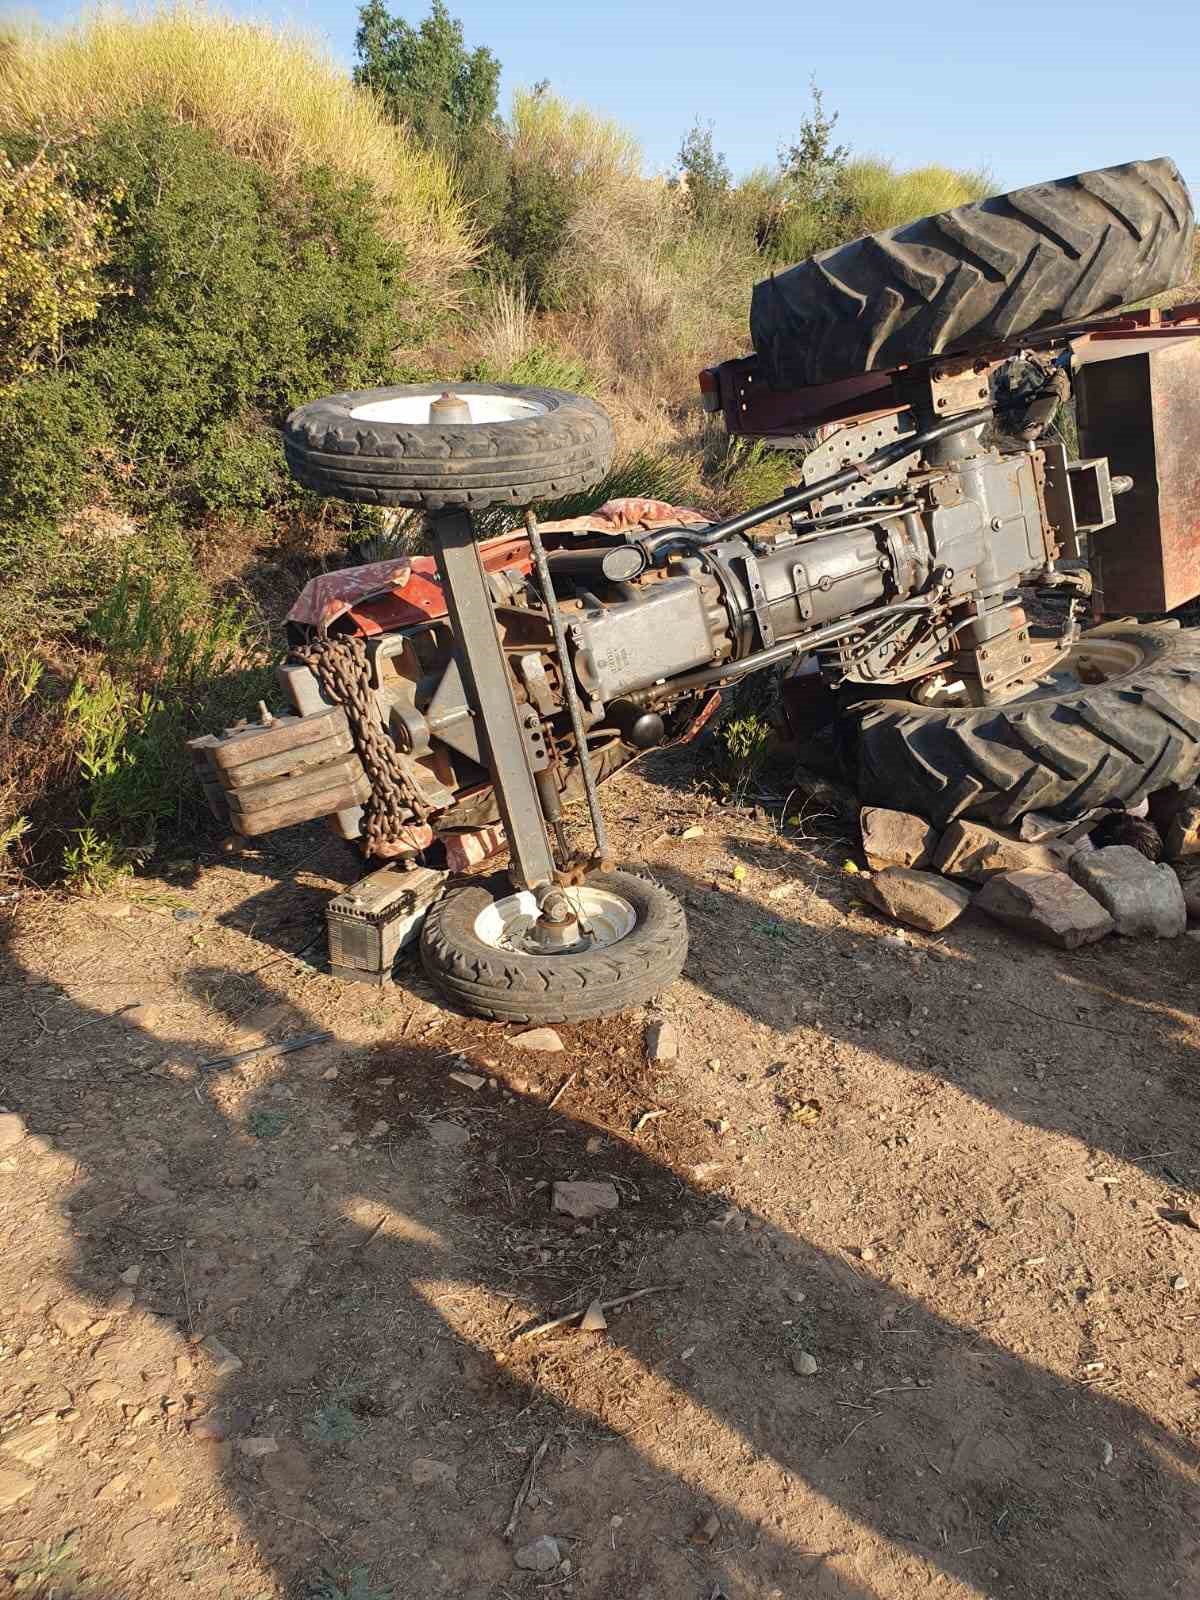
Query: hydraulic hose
886,457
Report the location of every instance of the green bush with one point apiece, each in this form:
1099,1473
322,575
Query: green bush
51,425
242,297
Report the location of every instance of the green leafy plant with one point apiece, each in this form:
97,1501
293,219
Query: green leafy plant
355,1586
50,1566
266,1124
332,1423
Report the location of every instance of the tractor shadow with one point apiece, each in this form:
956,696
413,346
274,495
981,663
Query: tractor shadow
370,1282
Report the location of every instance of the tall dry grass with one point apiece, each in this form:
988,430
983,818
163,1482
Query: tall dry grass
882,197
268,94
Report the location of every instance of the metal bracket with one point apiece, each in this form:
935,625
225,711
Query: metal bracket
758,599
485,677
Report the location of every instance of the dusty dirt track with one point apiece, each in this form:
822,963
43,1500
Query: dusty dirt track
983,1240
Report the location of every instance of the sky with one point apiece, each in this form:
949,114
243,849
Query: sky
1029,90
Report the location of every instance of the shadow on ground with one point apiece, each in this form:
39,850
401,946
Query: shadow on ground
371,1291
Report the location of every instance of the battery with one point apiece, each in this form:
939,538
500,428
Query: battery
371,922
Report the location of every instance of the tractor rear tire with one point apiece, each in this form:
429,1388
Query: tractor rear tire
978,275
1124,738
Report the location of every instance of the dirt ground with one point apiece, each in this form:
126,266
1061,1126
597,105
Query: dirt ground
258,1322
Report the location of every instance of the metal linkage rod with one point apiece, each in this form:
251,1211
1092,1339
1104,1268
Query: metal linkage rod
570,692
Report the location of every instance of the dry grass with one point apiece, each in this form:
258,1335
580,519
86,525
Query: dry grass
590,152
882,197
267,94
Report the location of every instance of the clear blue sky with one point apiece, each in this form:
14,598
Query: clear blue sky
1031,88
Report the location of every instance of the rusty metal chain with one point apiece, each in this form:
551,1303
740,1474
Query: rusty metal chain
344,673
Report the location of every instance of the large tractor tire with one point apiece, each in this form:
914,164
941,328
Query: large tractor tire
978,275
1061,751
380,446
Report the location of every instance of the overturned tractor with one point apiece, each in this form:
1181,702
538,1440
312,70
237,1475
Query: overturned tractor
436,700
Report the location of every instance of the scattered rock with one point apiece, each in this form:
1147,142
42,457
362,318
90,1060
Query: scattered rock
425,1470
1179,1283
867,1253
1106,1454
469,1080
104,1391
121,1302
694,832
537,1039
969,850
114,1487
1183,835
896,838
378,1129
14,1486
1048,906
804,1364
583,1200
539,1555
707,1528
12,1129
35,1442
594,1320
70,1318
450,1135
329,1074
150,1188
662,1042
257,1445
226,1423
1139,896
131,1274
224,1361
921,899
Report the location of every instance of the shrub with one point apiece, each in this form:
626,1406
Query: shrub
234,297
52,247
50,426
265,94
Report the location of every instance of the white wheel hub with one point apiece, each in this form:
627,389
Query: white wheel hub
411,409
605,918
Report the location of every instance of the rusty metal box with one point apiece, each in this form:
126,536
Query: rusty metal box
1138,402
371,922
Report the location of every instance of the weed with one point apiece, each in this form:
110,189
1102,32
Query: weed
94,864
166,632
355,1586
50,1565
332,1423
264,1124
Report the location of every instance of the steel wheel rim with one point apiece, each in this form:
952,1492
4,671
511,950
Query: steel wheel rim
607,918
412,410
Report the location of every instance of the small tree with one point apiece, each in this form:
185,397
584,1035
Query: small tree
813,172
426,76
703,172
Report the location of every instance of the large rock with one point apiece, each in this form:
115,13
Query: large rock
1046,905
582,1199
969,850
1139,896
921,899
895,838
